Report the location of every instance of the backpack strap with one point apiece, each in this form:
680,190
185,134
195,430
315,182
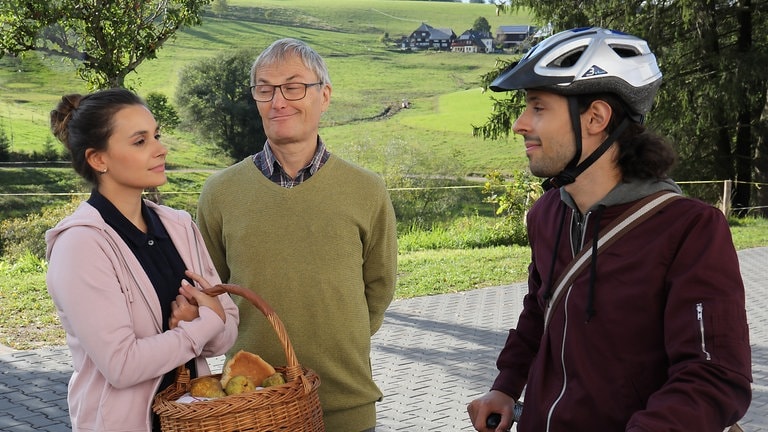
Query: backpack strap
637,214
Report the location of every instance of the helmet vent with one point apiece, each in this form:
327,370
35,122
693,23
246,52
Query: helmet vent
569,59
625,51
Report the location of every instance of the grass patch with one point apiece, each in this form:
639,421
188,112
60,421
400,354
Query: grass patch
29,190
29,320
440,271
749,232
467,232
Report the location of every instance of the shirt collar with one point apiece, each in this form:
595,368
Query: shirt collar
270,160
123,226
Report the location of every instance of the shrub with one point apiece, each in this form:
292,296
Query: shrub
512,199
20,237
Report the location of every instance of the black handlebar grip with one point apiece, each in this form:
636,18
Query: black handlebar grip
493,420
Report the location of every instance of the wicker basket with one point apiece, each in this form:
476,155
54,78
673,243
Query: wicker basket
293,406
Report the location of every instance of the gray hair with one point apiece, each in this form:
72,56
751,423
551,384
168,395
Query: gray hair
281,49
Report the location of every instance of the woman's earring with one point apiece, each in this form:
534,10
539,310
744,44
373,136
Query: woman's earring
104,171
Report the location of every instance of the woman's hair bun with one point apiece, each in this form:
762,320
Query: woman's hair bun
61,115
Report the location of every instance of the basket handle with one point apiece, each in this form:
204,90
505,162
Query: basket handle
293,369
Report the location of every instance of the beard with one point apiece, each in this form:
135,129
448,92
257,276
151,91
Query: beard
550,163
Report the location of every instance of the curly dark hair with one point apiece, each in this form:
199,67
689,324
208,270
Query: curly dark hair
643,154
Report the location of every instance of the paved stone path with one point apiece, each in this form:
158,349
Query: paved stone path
432,356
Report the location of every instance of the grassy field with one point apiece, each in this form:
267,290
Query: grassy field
368,77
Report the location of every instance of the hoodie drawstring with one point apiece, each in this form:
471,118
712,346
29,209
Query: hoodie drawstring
593,265
598,213
548,292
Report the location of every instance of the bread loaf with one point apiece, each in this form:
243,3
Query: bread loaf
248,364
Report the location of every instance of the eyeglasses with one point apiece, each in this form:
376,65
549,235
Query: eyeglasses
290,91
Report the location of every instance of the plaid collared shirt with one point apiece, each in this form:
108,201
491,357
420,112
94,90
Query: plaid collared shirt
266,162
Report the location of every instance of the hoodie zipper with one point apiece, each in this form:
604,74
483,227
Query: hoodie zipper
700,319
124,262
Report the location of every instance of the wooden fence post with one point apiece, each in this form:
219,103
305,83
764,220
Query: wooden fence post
726,206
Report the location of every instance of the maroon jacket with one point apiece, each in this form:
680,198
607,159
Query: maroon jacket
667,345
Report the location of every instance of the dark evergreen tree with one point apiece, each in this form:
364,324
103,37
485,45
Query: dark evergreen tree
713,54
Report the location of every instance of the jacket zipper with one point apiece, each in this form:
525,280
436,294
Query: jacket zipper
582,222
700,319
562,362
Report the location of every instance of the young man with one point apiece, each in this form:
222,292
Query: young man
312,234
652,334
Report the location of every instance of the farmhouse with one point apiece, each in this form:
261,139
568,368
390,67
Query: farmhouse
473,41
514,36
508,37
428,37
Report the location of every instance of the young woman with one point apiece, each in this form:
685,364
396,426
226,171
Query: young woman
121,270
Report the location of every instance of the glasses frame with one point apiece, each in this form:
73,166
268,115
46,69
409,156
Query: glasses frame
282,93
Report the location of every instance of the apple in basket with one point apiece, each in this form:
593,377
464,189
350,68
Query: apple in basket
206,387
275,379
239,384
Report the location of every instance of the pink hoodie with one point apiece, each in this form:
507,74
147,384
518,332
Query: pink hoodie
111,315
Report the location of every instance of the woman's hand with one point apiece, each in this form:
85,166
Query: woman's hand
183,308
187,303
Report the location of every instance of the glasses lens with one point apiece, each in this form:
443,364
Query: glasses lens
263,93
293,91
290,91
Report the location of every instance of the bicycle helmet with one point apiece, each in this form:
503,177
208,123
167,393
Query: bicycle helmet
588,60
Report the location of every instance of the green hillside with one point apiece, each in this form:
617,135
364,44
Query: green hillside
368,77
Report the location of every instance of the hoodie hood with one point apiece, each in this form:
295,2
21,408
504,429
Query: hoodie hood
87,216
84,216
627,191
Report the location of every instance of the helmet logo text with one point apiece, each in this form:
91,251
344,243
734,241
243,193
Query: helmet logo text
594,71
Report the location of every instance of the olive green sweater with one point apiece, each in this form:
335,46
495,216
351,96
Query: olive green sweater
324,255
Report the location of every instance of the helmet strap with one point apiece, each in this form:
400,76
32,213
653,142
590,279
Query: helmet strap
569,174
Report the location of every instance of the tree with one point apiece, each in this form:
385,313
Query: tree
220,7
481,25
215,100
107,40
165,114
5,146
713,54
